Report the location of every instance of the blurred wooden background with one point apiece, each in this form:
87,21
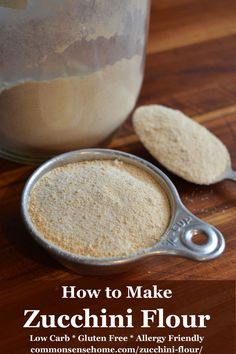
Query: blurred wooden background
191,65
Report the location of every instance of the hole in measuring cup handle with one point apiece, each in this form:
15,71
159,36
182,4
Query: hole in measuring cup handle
211,235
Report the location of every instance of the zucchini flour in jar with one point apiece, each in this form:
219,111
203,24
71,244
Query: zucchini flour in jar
99,208
68,76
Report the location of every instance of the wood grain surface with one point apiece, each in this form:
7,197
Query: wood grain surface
191,65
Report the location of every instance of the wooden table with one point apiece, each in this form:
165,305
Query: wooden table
191,65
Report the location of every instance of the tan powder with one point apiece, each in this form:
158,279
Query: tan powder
99,208
180,144
69,77
67,113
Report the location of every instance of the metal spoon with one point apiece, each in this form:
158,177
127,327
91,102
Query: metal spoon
228,174
183,146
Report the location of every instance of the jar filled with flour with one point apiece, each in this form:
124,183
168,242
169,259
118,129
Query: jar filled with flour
70,72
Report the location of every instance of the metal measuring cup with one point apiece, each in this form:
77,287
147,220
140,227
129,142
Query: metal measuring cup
176,241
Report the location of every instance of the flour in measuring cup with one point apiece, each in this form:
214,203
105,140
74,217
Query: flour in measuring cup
99,208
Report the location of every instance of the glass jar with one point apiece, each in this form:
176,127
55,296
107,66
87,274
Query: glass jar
70,72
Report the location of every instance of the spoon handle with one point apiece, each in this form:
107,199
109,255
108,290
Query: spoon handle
231,176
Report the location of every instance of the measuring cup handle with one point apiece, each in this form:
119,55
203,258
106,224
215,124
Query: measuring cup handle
179,239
